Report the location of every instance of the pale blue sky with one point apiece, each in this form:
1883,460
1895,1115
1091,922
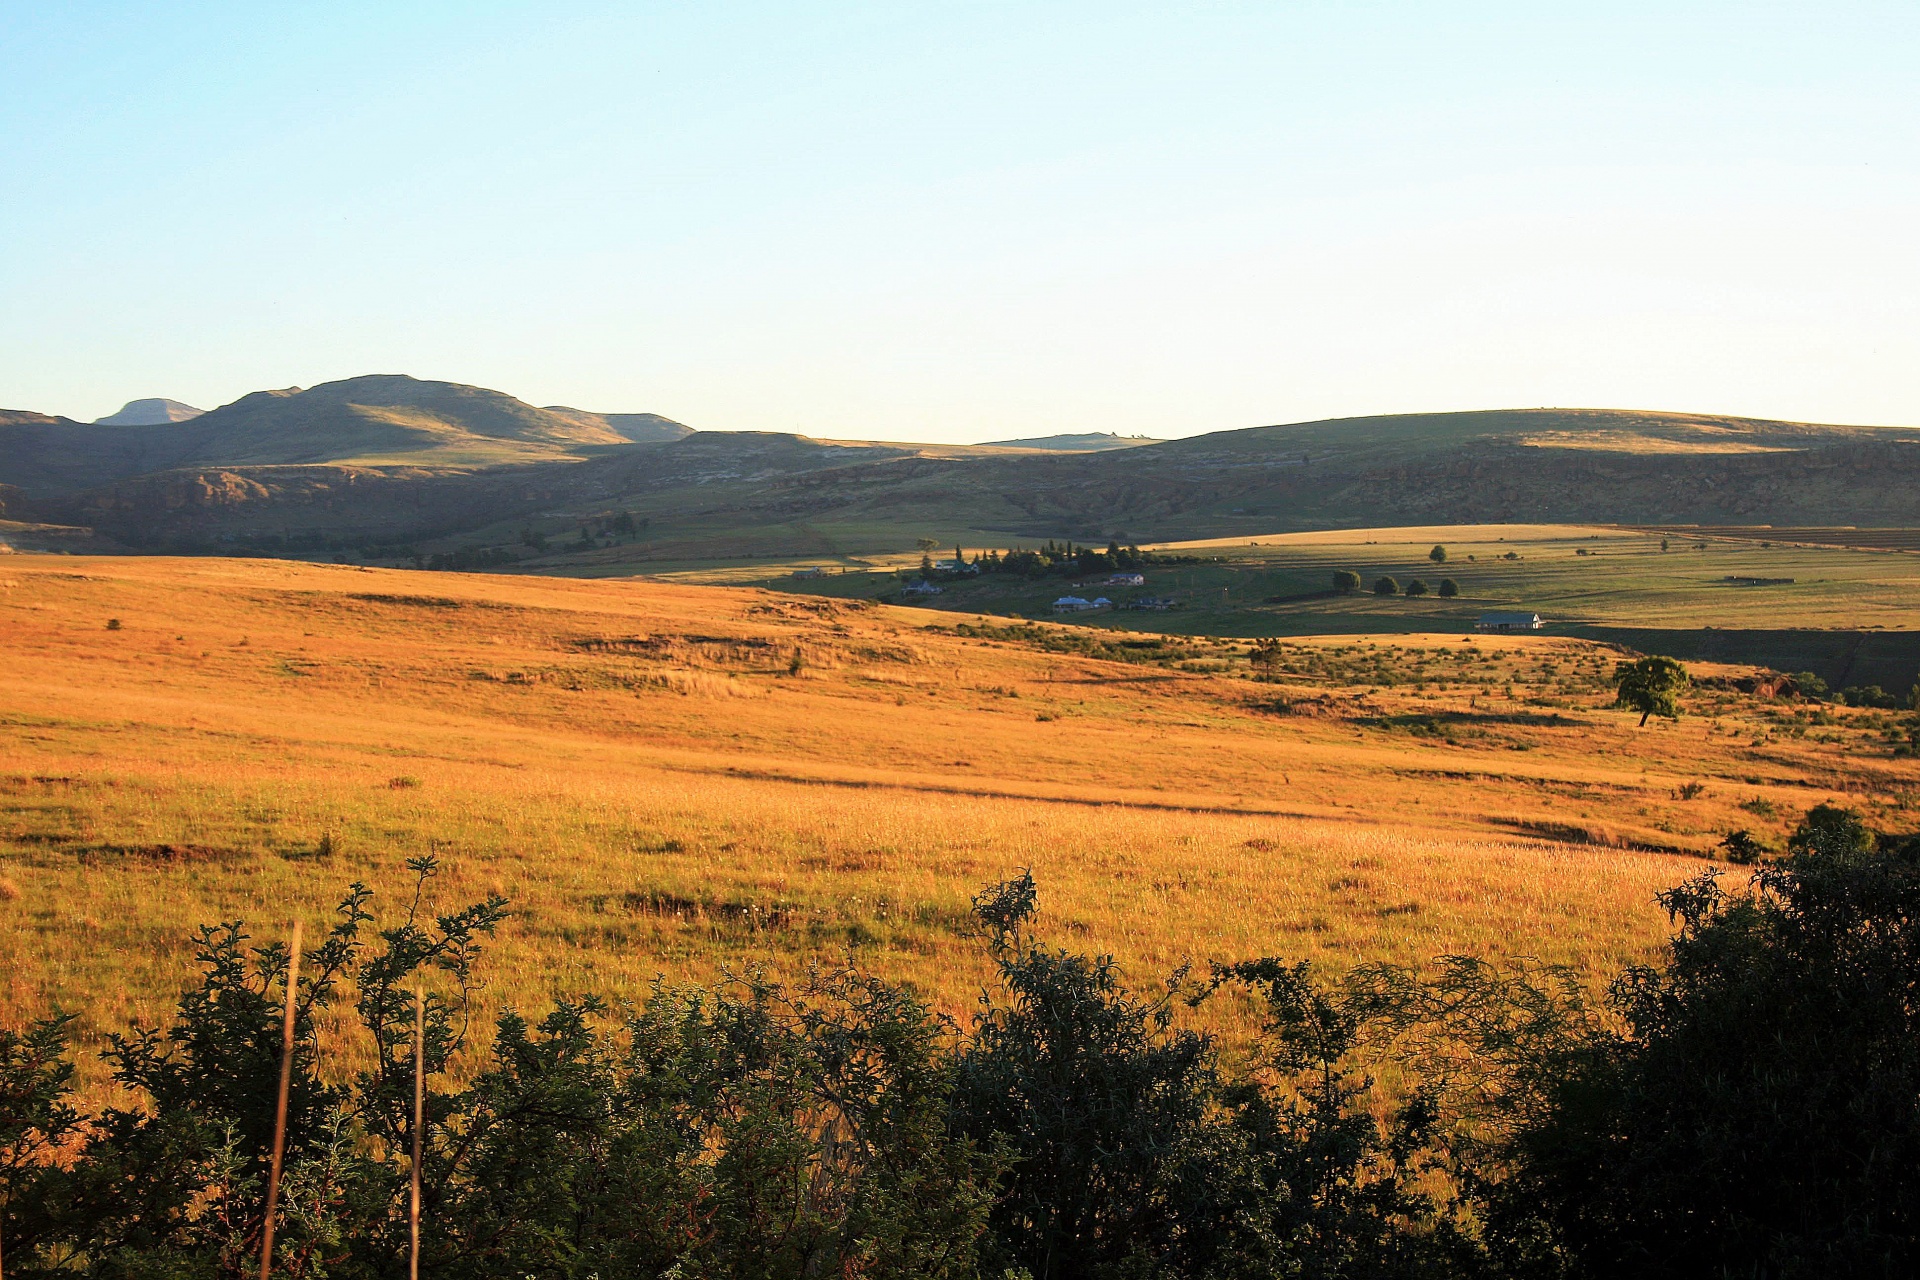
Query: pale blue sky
964,221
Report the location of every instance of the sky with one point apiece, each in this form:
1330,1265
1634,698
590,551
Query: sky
969,220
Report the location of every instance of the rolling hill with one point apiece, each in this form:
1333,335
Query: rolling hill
389,459
149,413
391,419
1083,442
378,420
634,428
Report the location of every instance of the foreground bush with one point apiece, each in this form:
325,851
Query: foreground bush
1759,1112
1749,1107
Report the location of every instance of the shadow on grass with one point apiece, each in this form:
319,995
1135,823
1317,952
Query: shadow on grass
1443,722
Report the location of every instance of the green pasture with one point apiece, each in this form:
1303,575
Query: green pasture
1852,615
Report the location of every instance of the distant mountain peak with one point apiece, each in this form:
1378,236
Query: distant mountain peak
156,412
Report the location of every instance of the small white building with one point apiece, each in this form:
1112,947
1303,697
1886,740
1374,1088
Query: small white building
809,573
1127,580
1500,622
921,587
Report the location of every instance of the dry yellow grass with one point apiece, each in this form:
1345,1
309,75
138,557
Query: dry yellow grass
640,770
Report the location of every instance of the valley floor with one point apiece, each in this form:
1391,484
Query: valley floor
691,779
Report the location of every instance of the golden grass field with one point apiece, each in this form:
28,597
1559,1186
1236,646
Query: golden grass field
640,768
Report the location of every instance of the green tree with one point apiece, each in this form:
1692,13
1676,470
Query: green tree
1346,582
1416,588
1651,686
36,1119
1741,847
1385,587
1753,1113
1133,1152
1829,829
1449,588
1107,1109
1438,555
1810,686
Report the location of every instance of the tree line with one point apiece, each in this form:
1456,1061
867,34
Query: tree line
1064,559
1748,1104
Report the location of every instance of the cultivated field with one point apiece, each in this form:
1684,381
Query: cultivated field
679,779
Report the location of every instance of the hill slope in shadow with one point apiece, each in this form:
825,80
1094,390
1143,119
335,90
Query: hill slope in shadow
390,457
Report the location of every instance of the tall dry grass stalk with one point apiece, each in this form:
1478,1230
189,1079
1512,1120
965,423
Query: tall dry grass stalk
419,1120
280,1105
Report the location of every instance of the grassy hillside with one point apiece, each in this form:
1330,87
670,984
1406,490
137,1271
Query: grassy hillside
433,461
381,420
43,453
634,428
387,419
659,785
1438,469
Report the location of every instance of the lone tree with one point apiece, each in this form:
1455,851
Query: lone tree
1346,582
1438,555
1386,587
1651,686
1416,588
1449,588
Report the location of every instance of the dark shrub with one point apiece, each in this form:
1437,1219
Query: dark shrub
1741,847
1758,1113
1133,1154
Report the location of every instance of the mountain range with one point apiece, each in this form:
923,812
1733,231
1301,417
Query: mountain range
388,459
